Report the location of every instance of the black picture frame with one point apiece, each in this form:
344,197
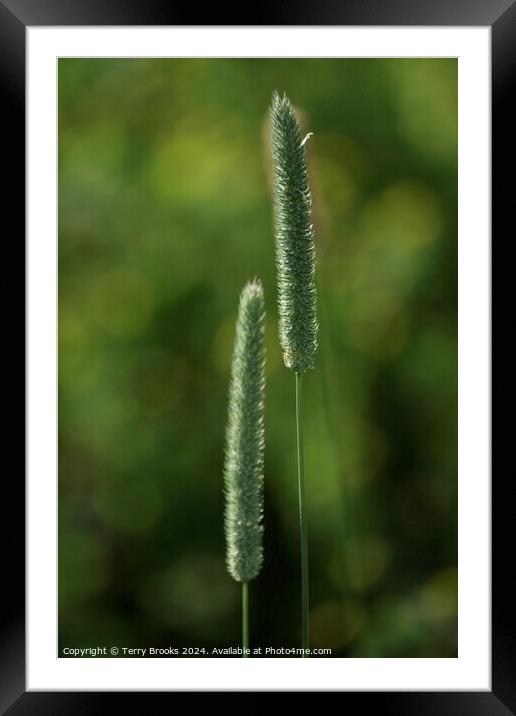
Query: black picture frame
15,17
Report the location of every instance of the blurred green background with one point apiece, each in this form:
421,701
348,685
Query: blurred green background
164,213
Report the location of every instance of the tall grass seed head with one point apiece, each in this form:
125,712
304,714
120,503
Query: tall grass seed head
295,250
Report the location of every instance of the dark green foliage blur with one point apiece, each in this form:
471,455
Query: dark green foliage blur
164,213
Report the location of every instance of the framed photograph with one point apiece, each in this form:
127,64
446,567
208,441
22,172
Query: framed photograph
258,322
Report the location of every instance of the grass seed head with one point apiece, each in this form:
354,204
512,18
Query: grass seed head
295,251
243,469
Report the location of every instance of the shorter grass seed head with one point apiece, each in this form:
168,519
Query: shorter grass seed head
243,468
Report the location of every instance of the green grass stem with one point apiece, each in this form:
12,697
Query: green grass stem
303,522
245,617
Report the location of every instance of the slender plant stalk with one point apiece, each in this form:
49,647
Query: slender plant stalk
245,617
245,443
297,296
303,522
